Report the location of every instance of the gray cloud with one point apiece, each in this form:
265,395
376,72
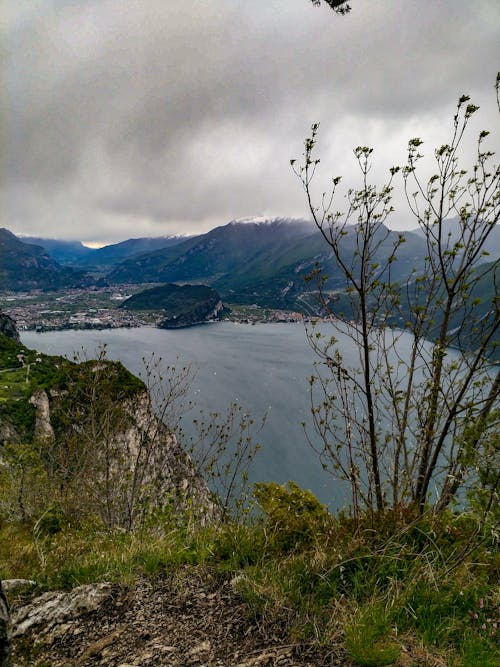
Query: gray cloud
127,118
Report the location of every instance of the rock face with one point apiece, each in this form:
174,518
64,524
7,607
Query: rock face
198,315
8,327
50,613
43,428
132,449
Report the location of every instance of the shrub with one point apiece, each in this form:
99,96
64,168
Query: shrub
294,515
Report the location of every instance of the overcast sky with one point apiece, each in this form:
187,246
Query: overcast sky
128,118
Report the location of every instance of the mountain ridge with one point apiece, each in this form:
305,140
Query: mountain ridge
25,267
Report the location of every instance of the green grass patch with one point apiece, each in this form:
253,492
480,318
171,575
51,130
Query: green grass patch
368,637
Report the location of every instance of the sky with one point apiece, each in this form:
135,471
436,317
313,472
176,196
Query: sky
131,118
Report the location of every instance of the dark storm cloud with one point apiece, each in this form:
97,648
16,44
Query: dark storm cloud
126,117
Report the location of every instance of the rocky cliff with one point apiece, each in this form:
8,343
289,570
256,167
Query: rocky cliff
99,446
131,460
197,315
8,327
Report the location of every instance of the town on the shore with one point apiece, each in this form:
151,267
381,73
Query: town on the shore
98,308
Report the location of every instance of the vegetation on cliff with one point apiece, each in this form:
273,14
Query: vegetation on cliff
391,587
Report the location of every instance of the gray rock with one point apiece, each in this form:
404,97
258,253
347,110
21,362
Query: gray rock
55,609
43,428
14,585
8,327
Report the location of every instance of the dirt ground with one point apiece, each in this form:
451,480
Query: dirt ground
190,619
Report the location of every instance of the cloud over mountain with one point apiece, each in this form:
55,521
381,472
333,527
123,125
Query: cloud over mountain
126,118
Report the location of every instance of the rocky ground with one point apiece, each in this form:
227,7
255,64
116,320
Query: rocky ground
190,619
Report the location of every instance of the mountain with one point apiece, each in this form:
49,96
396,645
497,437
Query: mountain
26,267
222,251
64,252
282,277
184,305
74,253
115,253
452,230
263,262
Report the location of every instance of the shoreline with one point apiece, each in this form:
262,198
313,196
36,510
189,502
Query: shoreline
48,329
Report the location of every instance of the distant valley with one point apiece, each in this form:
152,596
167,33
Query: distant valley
261,264
249,262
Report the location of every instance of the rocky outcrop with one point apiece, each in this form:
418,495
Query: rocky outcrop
198,315
43,428
124,442
52,613
101,441
183,305
170,473
8,327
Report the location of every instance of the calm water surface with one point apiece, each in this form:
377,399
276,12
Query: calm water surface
264,367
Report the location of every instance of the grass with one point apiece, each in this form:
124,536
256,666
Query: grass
368,637
384,596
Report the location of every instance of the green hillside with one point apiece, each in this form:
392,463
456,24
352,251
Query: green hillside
184,305
263,263
221,252
24,371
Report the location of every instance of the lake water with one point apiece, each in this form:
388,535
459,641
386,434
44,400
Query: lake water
264,367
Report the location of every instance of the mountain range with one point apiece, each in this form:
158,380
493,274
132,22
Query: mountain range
75,254
247,261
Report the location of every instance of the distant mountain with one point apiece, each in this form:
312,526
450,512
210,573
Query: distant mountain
74,253
26,267
451,231
224,250
184,305
262,262
64,252
108,256
281,277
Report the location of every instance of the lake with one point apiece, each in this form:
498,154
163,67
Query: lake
264,367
